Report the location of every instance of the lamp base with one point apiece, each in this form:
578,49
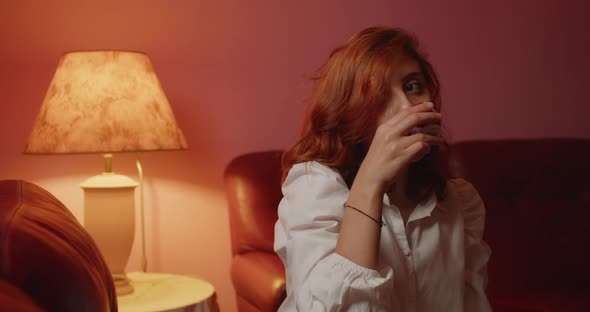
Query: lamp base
122,285
109,217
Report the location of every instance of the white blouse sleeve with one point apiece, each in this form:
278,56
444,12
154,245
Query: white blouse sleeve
318,279
477,252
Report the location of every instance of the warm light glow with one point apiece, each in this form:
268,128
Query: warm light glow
105,101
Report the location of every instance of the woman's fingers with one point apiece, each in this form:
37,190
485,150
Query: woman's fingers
402,115
415,152
407,141
392,147
414,120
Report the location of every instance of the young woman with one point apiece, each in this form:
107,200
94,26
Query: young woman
368,221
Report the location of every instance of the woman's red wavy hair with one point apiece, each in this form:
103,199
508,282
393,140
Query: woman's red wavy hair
351,90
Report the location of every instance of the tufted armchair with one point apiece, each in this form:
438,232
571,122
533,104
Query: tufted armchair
253,189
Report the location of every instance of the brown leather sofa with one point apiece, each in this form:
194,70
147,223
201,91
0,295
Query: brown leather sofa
537,194
46,256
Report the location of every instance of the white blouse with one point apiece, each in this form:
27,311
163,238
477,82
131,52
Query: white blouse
435,262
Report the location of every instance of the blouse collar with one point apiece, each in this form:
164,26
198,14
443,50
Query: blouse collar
423,209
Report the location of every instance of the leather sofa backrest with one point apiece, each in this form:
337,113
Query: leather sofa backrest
537,195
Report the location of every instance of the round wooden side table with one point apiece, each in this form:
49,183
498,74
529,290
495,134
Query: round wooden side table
168,292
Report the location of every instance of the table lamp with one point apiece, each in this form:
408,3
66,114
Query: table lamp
107,102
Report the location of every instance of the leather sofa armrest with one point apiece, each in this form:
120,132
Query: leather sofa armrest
265,271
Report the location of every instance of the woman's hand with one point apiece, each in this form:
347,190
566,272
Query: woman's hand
393,148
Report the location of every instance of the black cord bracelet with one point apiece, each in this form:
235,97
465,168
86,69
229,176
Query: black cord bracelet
381,223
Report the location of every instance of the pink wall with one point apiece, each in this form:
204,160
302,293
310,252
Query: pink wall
234,71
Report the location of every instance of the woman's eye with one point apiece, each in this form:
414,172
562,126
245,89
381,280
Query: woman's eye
413,87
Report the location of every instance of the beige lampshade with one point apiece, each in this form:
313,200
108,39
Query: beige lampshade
104,102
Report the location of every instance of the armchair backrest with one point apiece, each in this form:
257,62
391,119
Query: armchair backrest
253,190
47,254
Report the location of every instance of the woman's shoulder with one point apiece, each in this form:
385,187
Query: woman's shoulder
463,194
311,192
313,170
460,187
460,193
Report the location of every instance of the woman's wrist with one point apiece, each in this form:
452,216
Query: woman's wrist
366,185
361,226
367,197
